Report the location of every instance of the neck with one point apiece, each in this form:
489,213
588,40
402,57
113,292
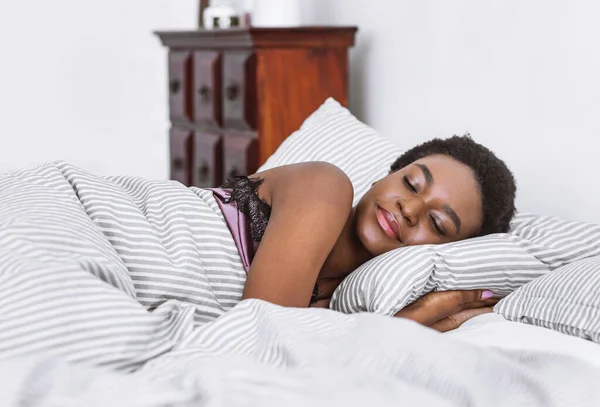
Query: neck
348,253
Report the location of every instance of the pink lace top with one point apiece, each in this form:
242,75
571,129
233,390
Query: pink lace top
238,225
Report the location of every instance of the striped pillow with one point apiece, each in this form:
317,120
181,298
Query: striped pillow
500,262
567,300
332,134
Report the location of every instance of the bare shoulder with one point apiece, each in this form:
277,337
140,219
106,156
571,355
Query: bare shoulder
310,180
310,204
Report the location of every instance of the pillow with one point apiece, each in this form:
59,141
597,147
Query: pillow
566,300
332,134
502,263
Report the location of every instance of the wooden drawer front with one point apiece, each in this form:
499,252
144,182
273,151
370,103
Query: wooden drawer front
180,147
208,160
240,153
180,100
239,90
207,88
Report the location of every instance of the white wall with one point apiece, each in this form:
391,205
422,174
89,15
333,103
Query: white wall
85,82
523,77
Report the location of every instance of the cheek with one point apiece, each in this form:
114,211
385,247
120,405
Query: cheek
423,235
365,228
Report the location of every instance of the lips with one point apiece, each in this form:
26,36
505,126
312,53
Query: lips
388,223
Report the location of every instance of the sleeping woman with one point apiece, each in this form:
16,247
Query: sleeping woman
304,237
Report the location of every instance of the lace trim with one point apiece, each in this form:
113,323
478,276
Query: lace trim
244,193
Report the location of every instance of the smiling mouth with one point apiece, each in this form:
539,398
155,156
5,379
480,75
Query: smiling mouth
388,223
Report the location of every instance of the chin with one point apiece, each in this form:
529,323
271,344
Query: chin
375,240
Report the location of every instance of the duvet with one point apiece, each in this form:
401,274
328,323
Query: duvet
124,291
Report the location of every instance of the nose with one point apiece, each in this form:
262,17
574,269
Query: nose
411,209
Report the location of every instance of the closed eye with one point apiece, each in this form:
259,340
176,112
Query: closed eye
437,228
409,184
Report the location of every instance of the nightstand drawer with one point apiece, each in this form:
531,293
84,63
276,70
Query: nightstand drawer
180,143
180,101
240,151
239,90
207,169
207,88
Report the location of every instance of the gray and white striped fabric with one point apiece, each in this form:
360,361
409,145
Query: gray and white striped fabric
258,354
502,263
120,291
566,300
332,134
83,259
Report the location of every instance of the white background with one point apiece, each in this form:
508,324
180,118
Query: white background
84,81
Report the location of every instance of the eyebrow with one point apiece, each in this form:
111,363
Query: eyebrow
447,209
427,174
450,212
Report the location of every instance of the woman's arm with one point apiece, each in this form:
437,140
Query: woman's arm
310,204
447,310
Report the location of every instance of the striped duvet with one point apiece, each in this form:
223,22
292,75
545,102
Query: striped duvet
125,292
109,270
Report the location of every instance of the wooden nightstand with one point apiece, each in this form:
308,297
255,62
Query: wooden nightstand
235,95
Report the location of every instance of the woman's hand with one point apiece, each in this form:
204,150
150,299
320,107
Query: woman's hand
447,310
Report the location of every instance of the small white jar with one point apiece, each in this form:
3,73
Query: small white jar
276,13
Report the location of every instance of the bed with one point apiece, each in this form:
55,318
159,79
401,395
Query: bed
110,296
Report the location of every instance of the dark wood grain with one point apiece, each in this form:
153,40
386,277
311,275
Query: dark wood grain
180,143
239,90
180,101
235,95
240,153
207,88
293,83
207,169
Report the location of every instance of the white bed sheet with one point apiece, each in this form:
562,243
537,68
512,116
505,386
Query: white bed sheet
259,354
493,330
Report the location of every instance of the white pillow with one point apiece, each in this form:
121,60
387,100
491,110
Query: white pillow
332,134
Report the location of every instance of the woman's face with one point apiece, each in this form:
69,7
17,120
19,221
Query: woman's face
433,200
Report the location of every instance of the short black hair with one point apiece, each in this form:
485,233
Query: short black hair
496,182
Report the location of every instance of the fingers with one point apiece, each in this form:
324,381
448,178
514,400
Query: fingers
469,296
479,304
456,320
438,305
421,312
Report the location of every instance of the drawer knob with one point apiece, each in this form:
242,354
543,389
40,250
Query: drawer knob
204,93
203,172
177,164
175,86
232,91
